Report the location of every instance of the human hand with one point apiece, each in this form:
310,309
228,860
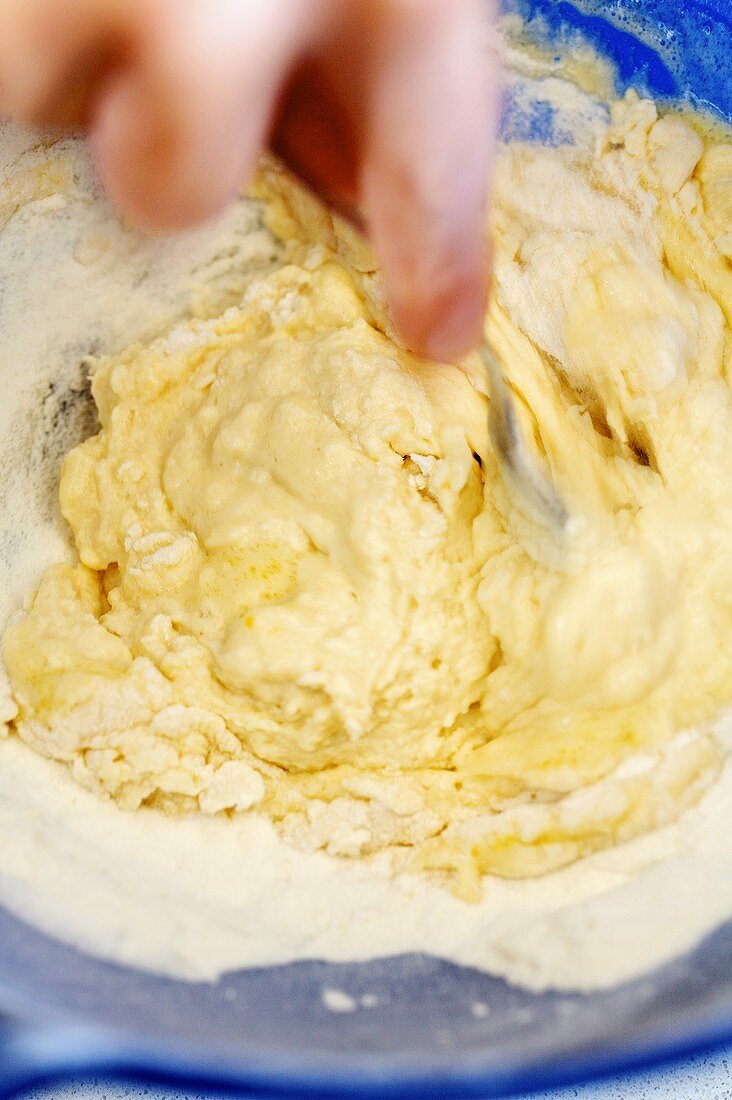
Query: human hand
386,106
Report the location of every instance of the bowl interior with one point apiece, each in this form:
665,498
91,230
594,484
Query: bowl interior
410,1019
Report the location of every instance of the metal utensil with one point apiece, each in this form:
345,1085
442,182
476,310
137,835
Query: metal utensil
524,477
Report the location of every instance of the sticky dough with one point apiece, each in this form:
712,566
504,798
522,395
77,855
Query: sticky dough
302,586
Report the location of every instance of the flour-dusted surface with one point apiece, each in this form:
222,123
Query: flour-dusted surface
197,896
75,283
301,585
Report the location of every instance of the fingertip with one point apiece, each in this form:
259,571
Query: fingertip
426,179
177,134
140,164
435,278
119,149
444,327
457,328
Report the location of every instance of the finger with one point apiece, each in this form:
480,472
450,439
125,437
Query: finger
53,55
176,135
433,116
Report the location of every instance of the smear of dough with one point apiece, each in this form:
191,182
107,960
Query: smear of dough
302,586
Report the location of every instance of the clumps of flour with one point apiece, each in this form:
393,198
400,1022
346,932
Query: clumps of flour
195,897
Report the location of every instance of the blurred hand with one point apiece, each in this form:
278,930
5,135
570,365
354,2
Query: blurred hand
388,106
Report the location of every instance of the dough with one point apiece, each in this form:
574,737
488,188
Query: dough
301,585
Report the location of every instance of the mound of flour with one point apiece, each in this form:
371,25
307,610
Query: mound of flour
195,897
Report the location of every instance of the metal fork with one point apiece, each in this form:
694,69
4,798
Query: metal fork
522,474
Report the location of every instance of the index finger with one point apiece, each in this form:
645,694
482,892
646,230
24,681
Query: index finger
433,117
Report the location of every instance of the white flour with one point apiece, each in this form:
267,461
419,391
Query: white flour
197,896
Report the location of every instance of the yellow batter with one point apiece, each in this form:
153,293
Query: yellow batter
302,587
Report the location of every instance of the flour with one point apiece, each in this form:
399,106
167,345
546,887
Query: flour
75,283
335,1000
195,897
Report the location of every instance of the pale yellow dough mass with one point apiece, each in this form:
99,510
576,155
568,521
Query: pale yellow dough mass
302,587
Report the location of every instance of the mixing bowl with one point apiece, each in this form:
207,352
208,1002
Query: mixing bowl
412,1027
